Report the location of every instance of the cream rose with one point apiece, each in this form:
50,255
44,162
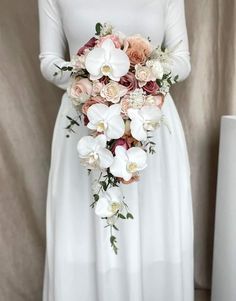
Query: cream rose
143,74
113,92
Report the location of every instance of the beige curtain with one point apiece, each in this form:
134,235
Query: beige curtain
28,109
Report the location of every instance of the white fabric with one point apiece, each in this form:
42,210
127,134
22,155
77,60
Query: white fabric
155,258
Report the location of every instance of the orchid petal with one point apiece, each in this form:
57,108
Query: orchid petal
94,60
102,208
137,155
120,63
85,145
137,130
105,158
97,112
116,127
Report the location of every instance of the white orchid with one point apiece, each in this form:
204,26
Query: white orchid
110,201
106,120
127,163
93,152
144,120
107,60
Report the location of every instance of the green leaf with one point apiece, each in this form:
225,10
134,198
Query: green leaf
96,197
115,228
121,216
98,28
112,239
129,215
104,185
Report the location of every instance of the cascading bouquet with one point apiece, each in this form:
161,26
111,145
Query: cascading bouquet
118,84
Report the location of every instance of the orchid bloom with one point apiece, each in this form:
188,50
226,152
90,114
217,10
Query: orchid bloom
127,163
109,202
144,120
106,120
107,60
93,152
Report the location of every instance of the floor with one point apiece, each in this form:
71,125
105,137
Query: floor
202,295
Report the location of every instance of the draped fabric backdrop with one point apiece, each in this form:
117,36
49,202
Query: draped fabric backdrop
28,109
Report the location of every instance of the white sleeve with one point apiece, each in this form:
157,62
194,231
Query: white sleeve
52,43
176,34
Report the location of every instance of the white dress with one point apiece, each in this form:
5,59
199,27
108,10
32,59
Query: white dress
155,256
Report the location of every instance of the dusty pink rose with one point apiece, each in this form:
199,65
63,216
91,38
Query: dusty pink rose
90,102
115,39
105,80
90,44
138,49
119,142
129,81
151,87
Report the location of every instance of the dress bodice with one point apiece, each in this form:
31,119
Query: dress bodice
73,22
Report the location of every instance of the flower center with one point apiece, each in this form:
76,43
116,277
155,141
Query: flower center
115,206
101,126
106,69
132,167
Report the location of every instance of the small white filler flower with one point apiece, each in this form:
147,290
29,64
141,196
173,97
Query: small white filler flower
93,152
110,201
127,163
107,60
106,120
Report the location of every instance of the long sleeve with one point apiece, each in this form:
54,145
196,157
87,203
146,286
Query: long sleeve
176,35
52,43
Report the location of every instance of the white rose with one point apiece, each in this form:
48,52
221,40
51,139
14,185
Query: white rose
156,68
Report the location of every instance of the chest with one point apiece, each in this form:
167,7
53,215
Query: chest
146,17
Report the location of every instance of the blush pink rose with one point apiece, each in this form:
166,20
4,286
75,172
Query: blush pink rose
129,81
90,44
151,87
115,40
79,86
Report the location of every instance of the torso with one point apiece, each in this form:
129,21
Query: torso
146,17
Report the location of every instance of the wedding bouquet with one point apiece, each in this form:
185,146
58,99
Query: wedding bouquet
118,84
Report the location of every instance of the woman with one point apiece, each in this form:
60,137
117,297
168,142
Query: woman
155,258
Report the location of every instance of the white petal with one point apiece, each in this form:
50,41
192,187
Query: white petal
116,127
113,110
151,113
97,112
137,129
134,113
115,194
105,158
94,60
101,141
118,169
137,155
120,63
102,207
85,145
